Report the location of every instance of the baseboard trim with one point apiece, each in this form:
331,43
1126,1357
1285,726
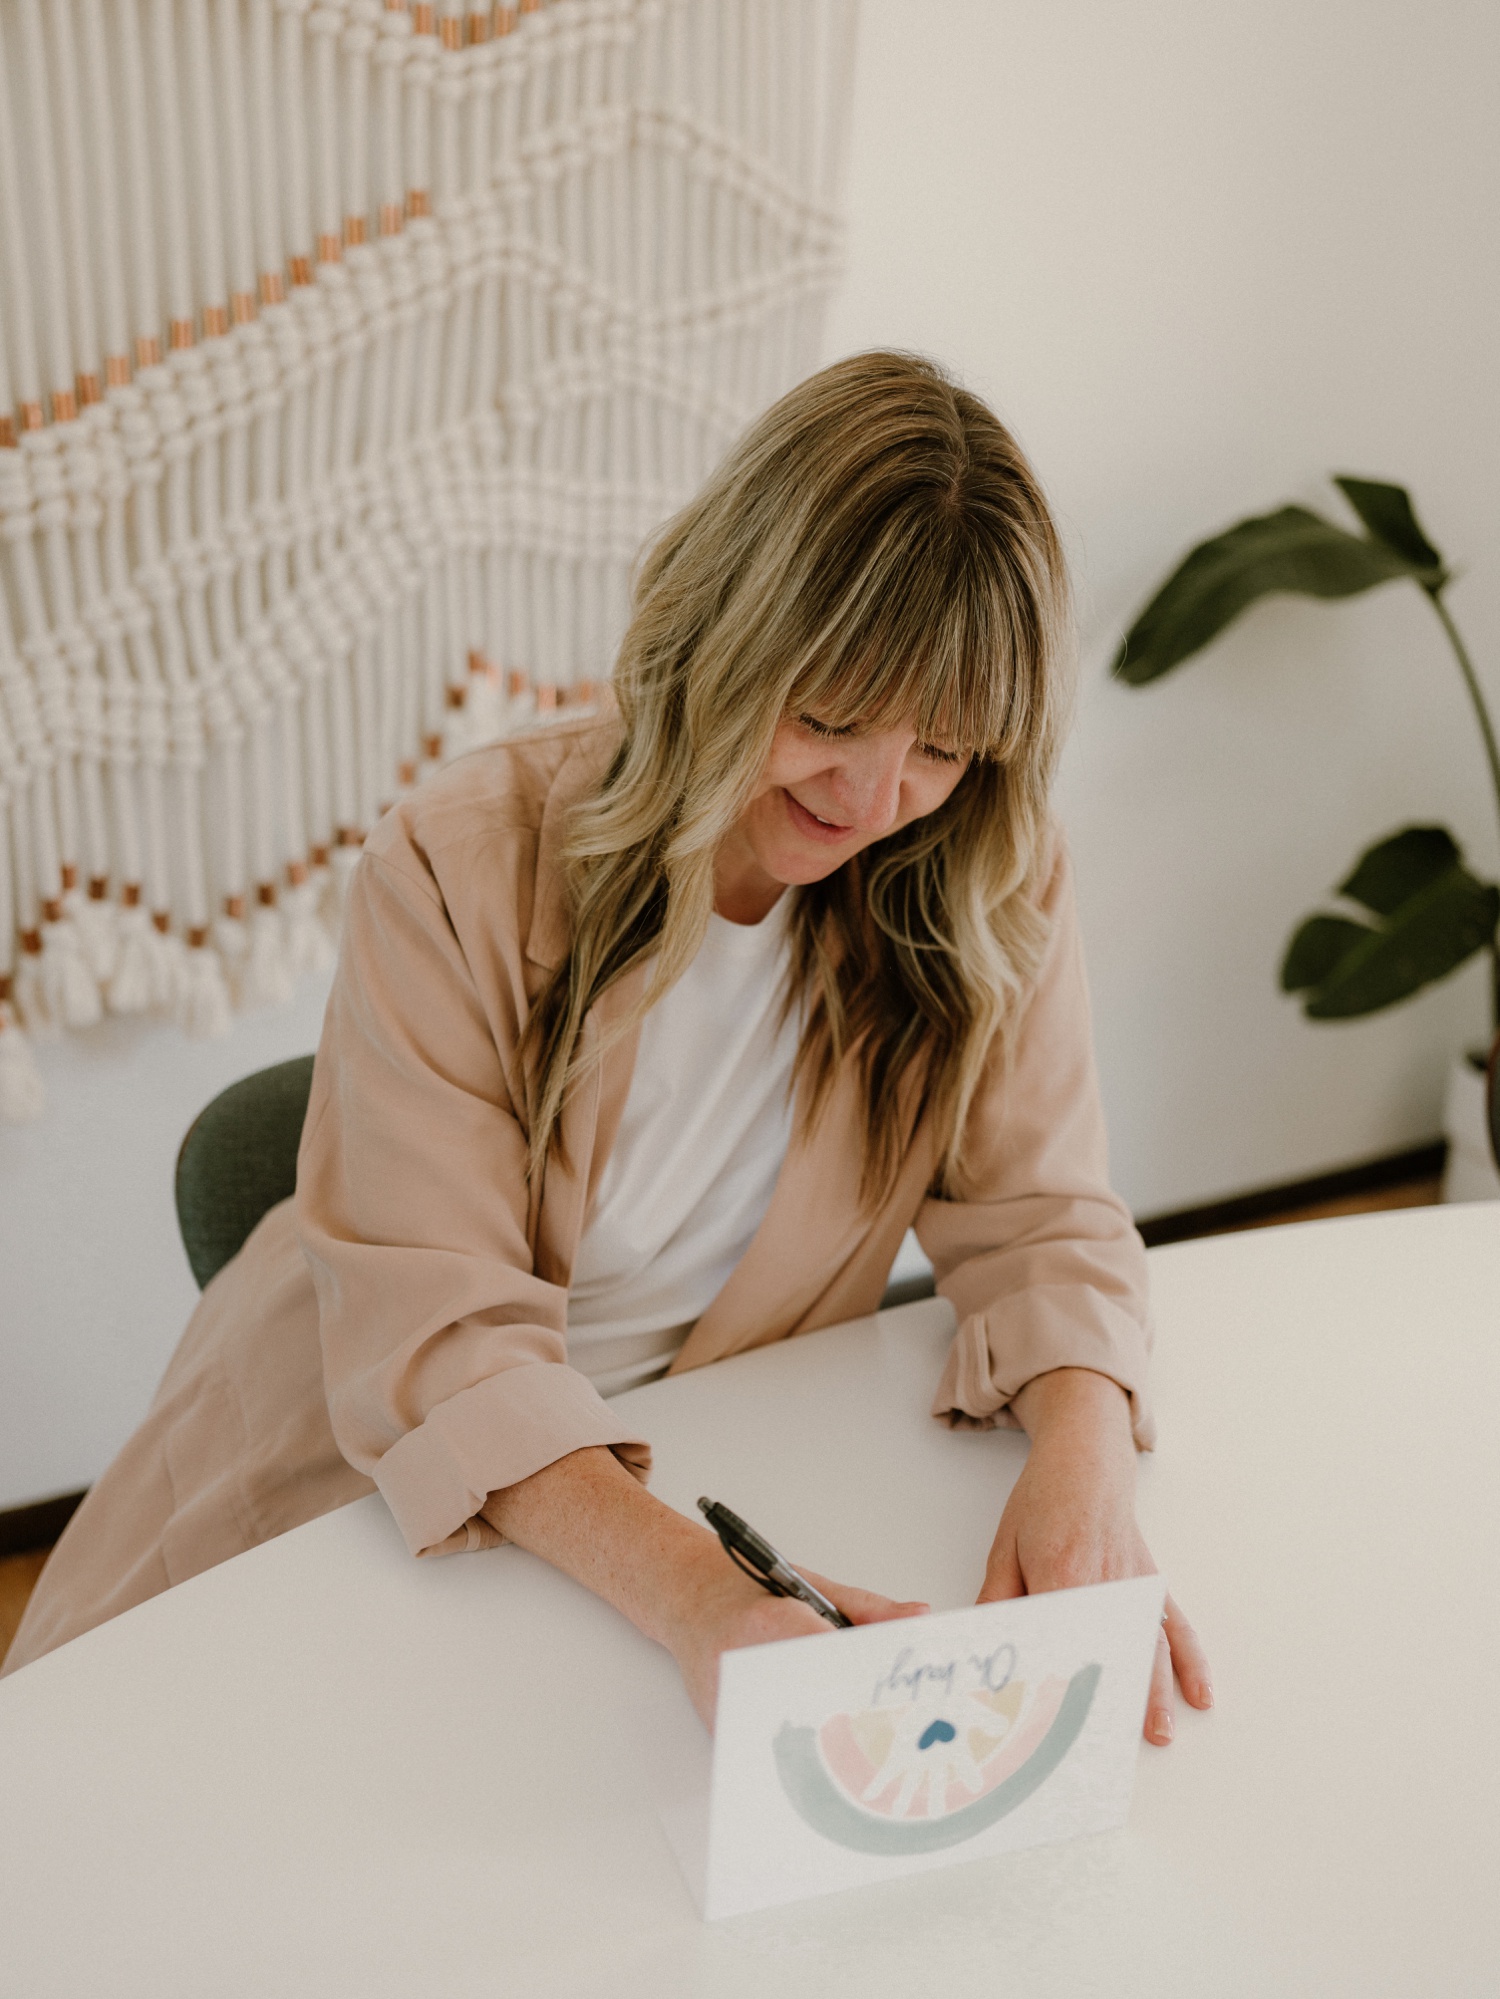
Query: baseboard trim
38,1525
1395,1169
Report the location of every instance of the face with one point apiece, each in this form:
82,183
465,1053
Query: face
826,793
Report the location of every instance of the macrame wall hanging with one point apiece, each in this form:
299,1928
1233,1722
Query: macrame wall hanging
347,354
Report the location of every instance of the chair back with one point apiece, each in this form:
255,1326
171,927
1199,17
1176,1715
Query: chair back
238,1160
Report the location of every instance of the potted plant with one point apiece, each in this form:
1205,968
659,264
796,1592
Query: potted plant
1412,910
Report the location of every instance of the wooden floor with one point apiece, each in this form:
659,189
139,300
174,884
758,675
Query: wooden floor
18,1573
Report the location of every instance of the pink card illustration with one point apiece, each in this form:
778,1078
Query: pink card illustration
894,1748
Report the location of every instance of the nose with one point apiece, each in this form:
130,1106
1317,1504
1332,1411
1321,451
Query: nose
867,783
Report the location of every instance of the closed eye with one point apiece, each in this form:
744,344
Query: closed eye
936,755
817,728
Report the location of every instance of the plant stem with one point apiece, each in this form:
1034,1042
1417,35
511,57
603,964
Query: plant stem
1471,681
1491,750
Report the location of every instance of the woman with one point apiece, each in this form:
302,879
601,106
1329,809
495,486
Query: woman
652,1035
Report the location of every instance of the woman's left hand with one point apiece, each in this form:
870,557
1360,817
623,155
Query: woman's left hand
1070,1520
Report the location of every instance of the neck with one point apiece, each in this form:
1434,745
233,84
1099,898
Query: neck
743,891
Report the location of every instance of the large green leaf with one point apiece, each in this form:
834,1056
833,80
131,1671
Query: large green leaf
1318,947
1345,969
1293,550
1393,870
1388,513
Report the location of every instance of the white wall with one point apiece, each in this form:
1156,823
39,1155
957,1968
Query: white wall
94,1286
1199,255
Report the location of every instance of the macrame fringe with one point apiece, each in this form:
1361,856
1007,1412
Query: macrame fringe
23,1095
348,352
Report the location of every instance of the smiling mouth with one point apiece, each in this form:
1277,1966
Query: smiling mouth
812,822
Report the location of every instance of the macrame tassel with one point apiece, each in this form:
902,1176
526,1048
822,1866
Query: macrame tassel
70,992
169,972
133,986
23,1096
30,993
231,939
203,1005
485,708
266,979
342,863
309,948
98,932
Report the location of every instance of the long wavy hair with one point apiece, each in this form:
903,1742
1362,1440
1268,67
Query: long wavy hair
876,550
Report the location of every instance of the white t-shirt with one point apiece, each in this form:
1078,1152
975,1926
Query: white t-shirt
701,1142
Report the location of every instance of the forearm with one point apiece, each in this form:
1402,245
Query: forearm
1075,1404
586,1515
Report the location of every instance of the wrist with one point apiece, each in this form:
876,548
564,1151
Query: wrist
1078,1403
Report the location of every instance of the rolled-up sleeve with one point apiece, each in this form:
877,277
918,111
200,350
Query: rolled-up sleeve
1039,1258
444,1352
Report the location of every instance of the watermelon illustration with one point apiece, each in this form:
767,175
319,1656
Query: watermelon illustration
915,1778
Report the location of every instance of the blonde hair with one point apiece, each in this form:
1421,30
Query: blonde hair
877,550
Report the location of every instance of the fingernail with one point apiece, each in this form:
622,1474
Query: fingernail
1161,1725
1206,1694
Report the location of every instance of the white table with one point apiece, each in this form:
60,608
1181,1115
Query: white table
325,1769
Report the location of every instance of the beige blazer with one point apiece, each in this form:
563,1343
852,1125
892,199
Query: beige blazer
401,1324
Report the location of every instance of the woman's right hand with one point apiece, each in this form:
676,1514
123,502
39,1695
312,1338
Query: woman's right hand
590,1518
720,1610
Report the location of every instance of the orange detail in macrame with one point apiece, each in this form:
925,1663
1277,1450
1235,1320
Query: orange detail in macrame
130,896
272,288
197,936
391,218
517,682
330,249
546,699
350,836
296,873
161,921
215,322
69,875
52,910
88,390
31,943
418,202
505,20
64,406
148,351
234,908
432,747
117,370
479,27
7,433
265,894
98,887
242,307
424,18
318,855
452,32
406,773
356,229
300,269
478,663
31,416
179,335
456,696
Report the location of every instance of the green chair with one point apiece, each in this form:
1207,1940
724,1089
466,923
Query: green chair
238,1160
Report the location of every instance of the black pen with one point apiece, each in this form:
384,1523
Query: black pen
755,1555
